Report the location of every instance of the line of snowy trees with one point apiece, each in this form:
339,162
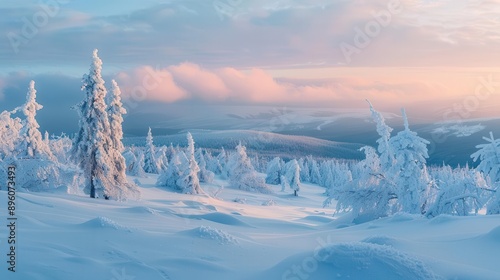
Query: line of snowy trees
183,169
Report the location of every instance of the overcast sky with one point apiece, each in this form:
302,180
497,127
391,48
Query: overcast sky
431,56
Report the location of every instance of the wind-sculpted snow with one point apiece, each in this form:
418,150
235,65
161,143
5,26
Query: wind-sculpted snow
104,223
141,210
382,240
371,261
353,260
219,218
320,219
210,233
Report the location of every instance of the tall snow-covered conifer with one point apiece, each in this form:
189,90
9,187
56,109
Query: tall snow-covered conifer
410,171
274,171
189,181
32,144
384,147
242,174
93,147
293,176
115,113
489,156
204,175
150,162
169,177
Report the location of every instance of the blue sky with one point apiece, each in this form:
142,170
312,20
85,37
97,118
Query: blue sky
426,55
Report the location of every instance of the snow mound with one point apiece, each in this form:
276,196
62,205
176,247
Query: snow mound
142,210
206,232
372,261
315,218
442,219
221,218
381,240
105,223
355,260
198,205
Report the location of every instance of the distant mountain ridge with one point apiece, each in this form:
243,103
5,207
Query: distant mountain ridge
264,143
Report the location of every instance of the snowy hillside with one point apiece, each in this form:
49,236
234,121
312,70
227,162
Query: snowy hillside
240,235
264,143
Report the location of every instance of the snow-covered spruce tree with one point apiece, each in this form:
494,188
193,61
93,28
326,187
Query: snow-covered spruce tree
315,173
384,147
37,168
368,194
242,175
9,133
410,171
31,145
170,152
223,159
60,147
189,182
489,156
169,177
293,176
370,166
150,163
259,164
341,176
214,165
274,171
115,114
461,191
326,170
205,175
93,146
161,158
284,183
134,159
305,173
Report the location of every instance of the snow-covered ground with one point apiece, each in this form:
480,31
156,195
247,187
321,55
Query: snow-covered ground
231,234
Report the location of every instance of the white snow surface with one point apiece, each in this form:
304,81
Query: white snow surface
168,235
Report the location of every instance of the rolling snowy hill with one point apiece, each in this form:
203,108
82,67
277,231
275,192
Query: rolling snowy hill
239,235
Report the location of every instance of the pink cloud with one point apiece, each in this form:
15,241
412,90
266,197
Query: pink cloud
208,86
146,83
190,81
254,86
